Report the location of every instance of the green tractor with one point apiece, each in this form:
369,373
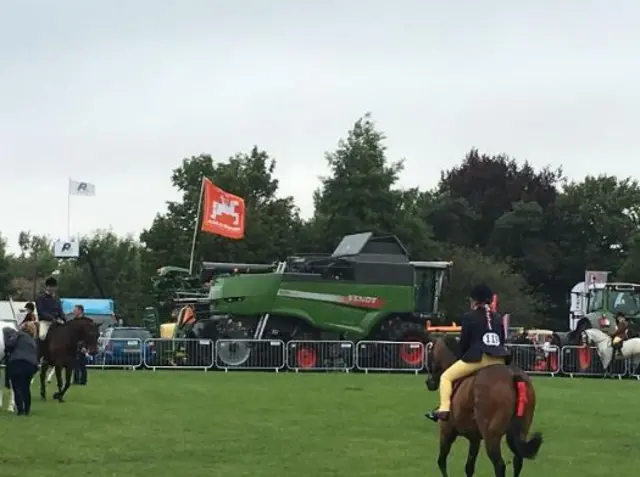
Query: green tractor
598,304
367,289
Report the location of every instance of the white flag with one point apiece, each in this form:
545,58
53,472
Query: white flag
81,188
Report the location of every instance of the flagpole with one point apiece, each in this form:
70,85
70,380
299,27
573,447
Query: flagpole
196,227
69,210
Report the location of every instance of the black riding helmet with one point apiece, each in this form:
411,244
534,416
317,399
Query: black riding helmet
51,282
481,294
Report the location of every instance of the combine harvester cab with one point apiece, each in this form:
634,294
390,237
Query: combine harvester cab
367,289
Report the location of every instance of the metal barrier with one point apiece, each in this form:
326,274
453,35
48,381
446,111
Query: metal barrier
390,356
536,359
320,355
119,353
167,353
303,355
584,361
634,371
250,354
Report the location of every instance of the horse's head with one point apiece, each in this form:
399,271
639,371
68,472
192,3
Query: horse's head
593,336
87,333
584,338
443,352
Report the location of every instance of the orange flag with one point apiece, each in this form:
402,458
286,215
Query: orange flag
222,213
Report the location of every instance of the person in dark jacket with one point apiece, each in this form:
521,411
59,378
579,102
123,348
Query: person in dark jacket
80,371
22,363
49,307
481,344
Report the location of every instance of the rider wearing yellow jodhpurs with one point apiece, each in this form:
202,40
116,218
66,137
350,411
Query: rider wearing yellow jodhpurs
481,344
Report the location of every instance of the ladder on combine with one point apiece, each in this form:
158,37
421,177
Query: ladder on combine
262,322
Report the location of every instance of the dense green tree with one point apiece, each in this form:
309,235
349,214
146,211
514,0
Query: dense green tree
113,266
452,219
6,280
272,223
630,269
521,236
360,195
471,268
596,219
490,185
33,265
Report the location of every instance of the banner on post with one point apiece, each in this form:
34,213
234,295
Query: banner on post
222,212
69,248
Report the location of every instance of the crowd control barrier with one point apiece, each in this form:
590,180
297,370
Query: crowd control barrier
120,353
337,356
634,371
250,354
179,354
536,359
584,361
390,356
320,355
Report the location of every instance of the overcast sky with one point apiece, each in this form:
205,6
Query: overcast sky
117,92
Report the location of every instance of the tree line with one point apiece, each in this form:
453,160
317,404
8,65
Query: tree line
530,234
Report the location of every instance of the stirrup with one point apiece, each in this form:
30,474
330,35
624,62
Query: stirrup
437,415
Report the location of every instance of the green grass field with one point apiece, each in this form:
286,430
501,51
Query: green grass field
277,425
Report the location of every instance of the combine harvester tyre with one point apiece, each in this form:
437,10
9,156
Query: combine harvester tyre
234,353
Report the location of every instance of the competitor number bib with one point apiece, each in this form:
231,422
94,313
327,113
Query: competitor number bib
491,339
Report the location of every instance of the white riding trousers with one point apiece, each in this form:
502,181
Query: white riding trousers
43,329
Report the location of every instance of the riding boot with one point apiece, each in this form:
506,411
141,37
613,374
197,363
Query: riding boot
437,415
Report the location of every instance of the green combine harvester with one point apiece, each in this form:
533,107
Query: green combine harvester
367,289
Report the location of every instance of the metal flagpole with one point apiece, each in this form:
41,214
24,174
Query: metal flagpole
196,227
68,237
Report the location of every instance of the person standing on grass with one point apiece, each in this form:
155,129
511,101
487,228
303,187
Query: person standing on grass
22,363
80,371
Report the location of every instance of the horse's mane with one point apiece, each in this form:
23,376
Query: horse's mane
452,343
82,319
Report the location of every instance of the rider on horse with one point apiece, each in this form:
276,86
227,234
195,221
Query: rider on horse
621,334
49,308
481,345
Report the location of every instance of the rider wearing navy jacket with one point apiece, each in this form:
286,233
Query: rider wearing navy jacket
481,344
49,307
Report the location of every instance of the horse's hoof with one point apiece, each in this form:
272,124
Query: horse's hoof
56,395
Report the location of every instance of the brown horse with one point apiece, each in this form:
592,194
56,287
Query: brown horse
60,350
496,401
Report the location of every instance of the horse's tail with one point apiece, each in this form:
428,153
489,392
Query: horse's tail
520,421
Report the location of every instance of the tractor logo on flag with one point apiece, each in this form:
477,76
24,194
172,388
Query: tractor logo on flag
224,206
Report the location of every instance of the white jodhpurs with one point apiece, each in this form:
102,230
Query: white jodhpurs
43,329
